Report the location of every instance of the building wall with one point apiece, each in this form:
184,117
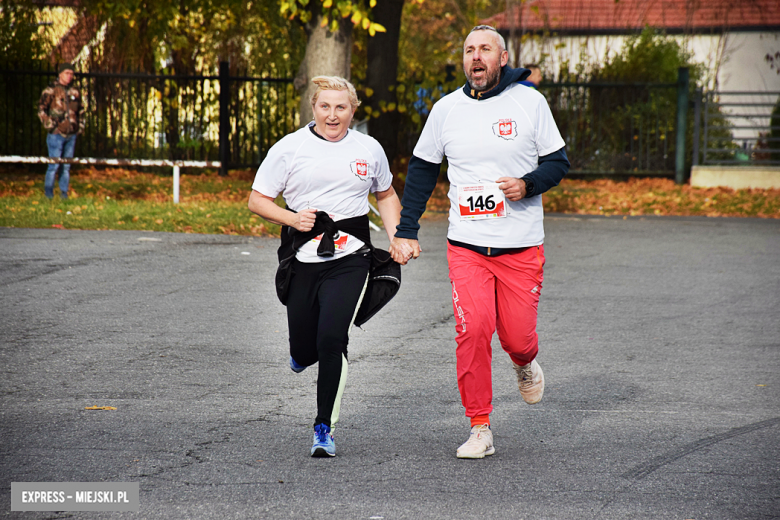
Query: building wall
736,60
744,66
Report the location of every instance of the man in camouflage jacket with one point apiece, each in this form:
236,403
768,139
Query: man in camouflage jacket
61,110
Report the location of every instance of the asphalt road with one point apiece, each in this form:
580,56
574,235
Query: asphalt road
660,342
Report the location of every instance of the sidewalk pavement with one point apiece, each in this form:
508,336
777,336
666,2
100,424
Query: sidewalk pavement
659,339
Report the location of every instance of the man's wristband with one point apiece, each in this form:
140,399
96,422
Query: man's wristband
529,186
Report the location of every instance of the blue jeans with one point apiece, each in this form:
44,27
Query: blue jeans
59,146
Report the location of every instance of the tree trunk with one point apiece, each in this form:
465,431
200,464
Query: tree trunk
382,73
327,54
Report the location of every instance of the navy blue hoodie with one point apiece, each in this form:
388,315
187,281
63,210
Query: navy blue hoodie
422,175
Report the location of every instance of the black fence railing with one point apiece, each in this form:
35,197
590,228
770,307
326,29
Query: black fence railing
628,129
620,129
737,128
609,128
143,116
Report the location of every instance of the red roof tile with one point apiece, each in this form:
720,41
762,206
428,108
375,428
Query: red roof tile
622,16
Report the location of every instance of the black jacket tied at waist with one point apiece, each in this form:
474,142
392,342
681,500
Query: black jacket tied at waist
384,279
292,239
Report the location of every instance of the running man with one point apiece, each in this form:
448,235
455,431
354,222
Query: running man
504,150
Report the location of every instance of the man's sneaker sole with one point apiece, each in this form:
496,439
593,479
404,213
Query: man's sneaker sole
489,451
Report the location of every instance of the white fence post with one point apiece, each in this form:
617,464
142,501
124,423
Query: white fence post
175,184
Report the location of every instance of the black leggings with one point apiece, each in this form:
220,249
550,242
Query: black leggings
321,307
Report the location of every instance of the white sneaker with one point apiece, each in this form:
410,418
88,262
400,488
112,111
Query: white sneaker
530,380
480,443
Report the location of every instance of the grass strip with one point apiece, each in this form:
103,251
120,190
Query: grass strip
210,204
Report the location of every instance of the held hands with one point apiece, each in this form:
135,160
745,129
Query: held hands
514,189
304,219
404,249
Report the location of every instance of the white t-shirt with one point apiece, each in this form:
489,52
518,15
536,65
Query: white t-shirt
334,177
502,136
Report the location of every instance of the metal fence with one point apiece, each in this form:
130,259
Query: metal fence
619,128
609,128
133,115
737,128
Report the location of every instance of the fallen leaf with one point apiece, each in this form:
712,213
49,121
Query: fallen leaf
100,408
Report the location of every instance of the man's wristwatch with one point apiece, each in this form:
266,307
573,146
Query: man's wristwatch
529,186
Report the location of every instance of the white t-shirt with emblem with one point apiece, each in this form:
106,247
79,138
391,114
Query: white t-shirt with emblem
502,136
334,177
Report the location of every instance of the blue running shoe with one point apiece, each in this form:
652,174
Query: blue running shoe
296,367
323,442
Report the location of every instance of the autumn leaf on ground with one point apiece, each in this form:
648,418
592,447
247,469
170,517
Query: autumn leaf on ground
212,204
100,408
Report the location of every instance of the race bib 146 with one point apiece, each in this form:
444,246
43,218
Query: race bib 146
481,201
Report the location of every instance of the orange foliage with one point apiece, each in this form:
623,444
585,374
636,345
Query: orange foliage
653,196
647,196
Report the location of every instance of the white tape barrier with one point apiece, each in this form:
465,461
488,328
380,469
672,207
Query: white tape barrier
116,162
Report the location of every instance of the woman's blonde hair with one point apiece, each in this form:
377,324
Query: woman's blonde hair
334,83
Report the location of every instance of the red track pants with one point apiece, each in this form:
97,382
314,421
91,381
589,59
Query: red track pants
492,294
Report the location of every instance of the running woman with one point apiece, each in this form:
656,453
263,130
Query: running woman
325,172
504,150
